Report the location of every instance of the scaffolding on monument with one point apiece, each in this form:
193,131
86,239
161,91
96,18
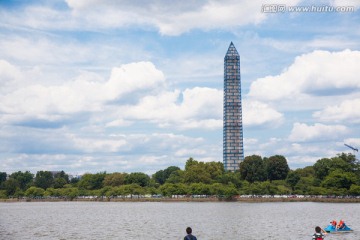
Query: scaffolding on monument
233,151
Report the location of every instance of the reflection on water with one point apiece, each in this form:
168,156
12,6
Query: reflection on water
162,220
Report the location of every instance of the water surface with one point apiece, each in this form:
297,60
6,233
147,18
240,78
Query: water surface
163,220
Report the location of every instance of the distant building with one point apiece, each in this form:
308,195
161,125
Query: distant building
233,150
54,173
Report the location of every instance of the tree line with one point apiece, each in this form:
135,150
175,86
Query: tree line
339,175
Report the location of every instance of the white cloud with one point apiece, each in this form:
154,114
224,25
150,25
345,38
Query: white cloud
84,94
79,151
296,149
340,41
348,110
174,19
258,113
98,144
331,42
135,91
318,132
62,55
42,49
272,145
316,73
298,153
8,73
191,108
346,3
119,123
303,159
132,77
197,108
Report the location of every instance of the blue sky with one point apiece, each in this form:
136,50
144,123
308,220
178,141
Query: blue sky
126,86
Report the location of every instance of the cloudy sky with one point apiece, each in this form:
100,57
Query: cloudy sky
102,85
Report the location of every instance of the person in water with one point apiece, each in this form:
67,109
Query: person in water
189,235
318,234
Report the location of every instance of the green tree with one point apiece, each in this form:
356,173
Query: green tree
104,191
34,192
168,189
256,188
115,179
182,189
197,173
325,166
349,158
162,175
245,188
322,168
303,185
355,190
176,177
25,179
230,192
52,192
313,190
215,169
339,179
11,186
69,193
59,182
306,171
223,191
280,187
63,175
3,177
218,189
115,191
3,194
190,162
199,189
277,167
138,178
264,188
44,179
337,191
253,169
292,179
152,190
283,190
339,163
230,177
134,189
61,179
159,177
74,180
92,181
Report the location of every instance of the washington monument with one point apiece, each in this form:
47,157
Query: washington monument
233,149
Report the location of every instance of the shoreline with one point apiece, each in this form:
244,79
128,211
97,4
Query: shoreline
245,200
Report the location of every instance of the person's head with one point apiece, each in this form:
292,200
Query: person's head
317,229
188,230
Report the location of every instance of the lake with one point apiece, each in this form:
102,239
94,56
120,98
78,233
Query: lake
168,220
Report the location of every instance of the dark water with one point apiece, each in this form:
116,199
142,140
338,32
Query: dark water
136,220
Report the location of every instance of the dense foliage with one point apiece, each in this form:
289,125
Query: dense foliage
339,175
